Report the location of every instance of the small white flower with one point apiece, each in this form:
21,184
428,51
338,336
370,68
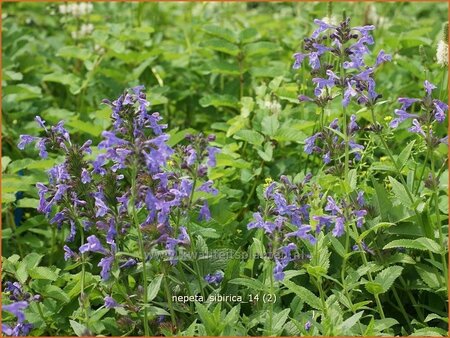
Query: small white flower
63,9
442,53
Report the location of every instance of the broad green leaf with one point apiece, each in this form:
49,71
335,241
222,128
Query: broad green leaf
421,243
252,284
223,67
55,292
260,48
248,35
404,155
430,276
20,92
374,288
267,154
85,127
153,287
41,272
304,294
221,45
220,32
400,192
73,52
217,100
278,321
270,125
350,322
387,277
79,329
250,136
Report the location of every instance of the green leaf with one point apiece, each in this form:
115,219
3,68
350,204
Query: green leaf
217,100
304,294
421,243
267,154
253,284
250,136
55,292
270,125
387,277
79,329
85,127
430,276
350,322
248,35
73,52
223,67
220,32
21,272
41,272
5,161
279,319
261,48
21,92
404,155
400,192
69,80
221,45
153,287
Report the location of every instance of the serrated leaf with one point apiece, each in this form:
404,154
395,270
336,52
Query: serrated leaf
79,329
153,287
430,276
221,45
387,277
57,293
250,136
374,288
252,284
223,67
216,100
350,322
261,48
304,294
267,154
73,52
404,155
248,35
400,192
220,32
270,125
41,272
421,243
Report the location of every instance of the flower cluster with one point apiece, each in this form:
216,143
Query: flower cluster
349,46
76,9
214,278
135,178
21,301
429,111
287,216
326,143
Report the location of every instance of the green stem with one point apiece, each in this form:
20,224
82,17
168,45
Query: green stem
369,274
169,298
402,308
438,219
141,249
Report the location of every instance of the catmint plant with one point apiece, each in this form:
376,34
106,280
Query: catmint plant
137,186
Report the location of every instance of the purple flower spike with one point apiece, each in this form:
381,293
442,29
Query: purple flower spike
299,57
93,244
16,309
323,26
382,57
110,303
339,228
417,128
105,264
205,214
68,253
429,87
212,151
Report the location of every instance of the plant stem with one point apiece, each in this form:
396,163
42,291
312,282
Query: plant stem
402,308
141,249
169,298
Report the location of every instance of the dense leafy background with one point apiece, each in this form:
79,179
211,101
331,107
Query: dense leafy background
224,68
